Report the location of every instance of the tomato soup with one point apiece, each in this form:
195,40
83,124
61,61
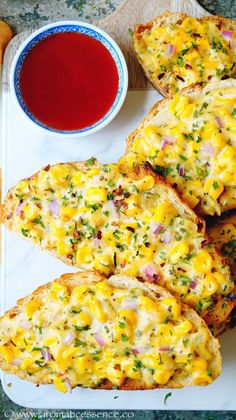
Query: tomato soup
69,81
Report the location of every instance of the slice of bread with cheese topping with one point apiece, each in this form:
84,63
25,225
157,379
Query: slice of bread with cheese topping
83,330
176,50
98,217
191,141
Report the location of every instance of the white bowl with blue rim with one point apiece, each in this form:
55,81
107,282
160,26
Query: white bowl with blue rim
78,27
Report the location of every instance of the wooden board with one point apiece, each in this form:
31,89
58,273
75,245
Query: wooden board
128,13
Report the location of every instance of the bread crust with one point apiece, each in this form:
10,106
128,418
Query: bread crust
173,18
125,282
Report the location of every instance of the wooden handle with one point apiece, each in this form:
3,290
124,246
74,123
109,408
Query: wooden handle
131,12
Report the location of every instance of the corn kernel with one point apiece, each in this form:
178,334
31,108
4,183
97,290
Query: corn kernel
162,377
191,199
116,376
146,183
202,262
69,353
58,290
67,213
84,255
84,364
80,292
95,195
77,179
164,212
96,308
213,187
104,263
210,285
201,378
179,250
129,315
7,353
26,363
64,248
103,288
18,337
174,306
183,327
83,319
32,306
30,211
60,384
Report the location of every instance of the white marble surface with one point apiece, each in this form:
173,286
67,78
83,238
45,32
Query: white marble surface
25,150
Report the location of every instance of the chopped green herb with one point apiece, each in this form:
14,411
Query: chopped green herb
91,161
167,396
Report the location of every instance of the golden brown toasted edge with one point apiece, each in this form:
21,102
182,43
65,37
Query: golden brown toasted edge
125,282
174,18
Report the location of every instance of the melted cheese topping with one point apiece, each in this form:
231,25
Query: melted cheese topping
224,236
192,142
176,55
98,218
87,334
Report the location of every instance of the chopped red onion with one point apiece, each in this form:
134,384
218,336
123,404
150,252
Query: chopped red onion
170,49
129,304
164,348
166,237
227,34
181,170
99,339
167,141
156,228
46,355
19,208
208,149
149,273
54,207
69,337
193,284
137,350
68,385
219,122
16,362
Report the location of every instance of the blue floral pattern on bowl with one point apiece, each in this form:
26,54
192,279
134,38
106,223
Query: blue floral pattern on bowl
60,29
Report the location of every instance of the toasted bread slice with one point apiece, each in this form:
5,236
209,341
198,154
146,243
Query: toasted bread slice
176,50
223,233
191,140
97,217
83,330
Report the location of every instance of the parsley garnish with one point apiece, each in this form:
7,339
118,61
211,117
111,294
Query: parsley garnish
215,185
91,161
167,396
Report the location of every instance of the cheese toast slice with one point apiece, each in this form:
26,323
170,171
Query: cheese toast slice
176,50
191,141
83,330
98,217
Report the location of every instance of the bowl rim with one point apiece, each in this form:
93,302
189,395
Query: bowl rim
98,125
